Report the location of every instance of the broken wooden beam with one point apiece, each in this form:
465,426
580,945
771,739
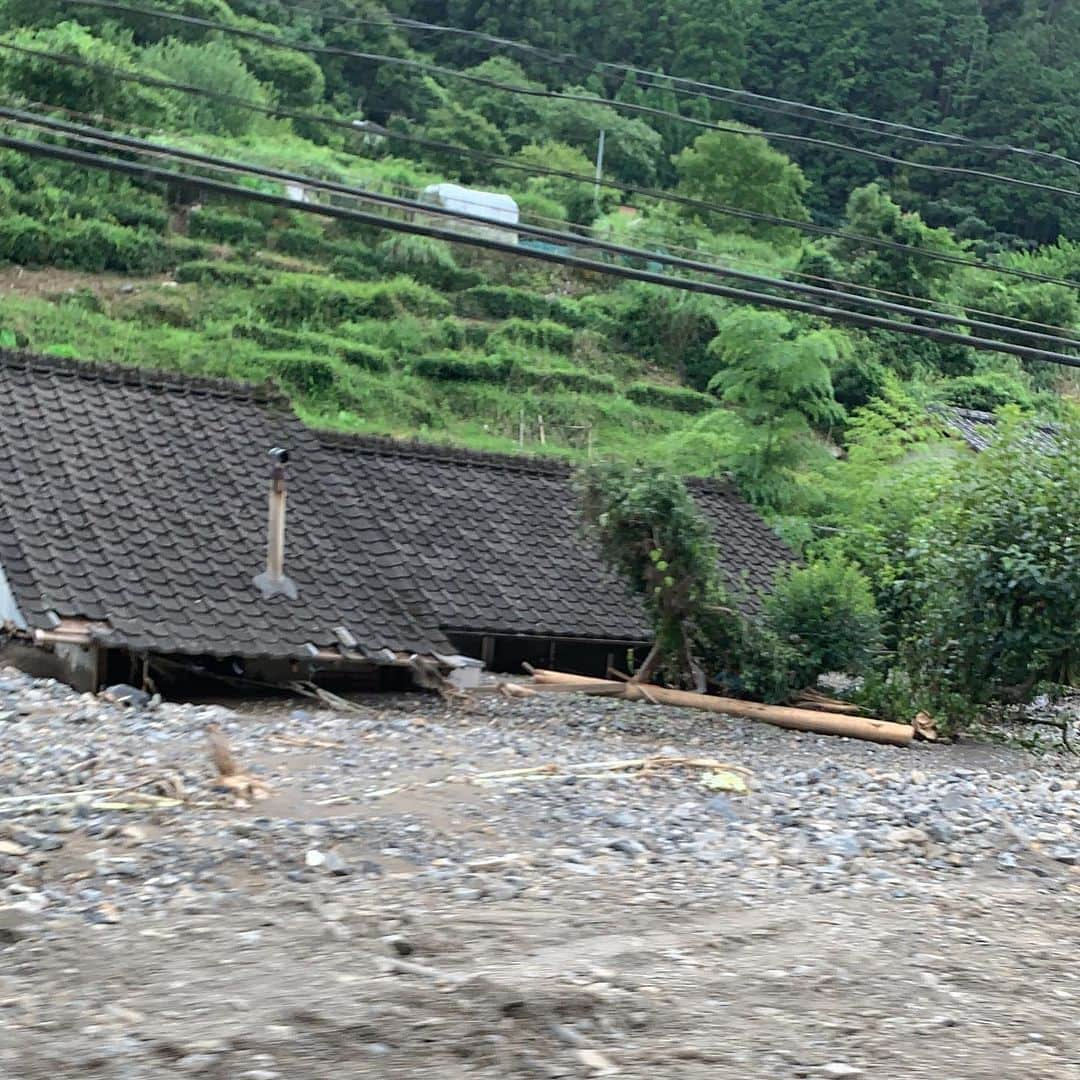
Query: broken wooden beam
785,716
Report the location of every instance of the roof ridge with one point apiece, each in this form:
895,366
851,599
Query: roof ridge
131,375
446,452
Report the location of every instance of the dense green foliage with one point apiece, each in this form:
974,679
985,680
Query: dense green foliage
995,577
836,434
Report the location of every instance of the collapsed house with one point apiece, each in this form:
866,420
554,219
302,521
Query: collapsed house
978,429
135,537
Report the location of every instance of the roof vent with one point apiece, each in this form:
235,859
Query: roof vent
274,582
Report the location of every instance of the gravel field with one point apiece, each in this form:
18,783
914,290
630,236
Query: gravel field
391,910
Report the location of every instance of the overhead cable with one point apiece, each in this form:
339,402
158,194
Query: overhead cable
146,172
535,170
581,99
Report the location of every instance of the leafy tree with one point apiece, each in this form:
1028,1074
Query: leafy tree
777,378
215,66
743,170
826,611
80,88
578,199
996,578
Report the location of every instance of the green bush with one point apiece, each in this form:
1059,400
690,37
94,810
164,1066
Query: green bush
25,241
987,392
179,249
309,298
539,334
302,372
137,215
678,398
225,228
579,382
95,246
158,309
506,302
366,357
222,273
826,613
458,367
994,579
354,267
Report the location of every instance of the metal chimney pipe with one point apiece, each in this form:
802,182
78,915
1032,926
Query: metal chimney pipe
274,581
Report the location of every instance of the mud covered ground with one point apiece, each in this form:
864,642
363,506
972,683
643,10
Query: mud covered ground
393,910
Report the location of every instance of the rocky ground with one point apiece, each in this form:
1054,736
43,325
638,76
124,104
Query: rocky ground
392,910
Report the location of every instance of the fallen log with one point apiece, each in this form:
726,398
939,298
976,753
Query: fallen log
842,708
785,716
814,699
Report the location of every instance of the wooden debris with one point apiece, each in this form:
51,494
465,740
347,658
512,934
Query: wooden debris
819,722
514,690
643,767
297,740
229,775
926,727
812,699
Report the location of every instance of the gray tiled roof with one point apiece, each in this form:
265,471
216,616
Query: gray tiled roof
139,499
976,428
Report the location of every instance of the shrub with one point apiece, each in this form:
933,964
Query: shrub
159,309
225,228
458,367
179,249
222,273
354,267
137,215
426,260
579,382
366,357
826,612
95,246
540,334
505,302
678,398
302,372
987,392
995,578
300,298
25,241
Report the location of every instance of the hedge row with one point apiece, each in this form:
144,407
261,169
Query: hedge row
358,354
505,302
678,398
206,272
93,246
319,301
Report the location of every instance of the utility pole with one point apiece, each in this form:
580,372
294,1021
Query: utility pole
599,170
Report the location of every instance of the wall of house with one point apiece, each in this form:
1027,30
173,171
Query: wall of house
9,611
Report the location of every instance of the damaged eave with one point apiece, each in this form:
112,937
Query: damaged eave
72,632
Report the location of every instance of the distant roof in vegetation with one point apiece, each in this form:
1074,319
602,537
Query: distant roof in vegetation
976,428
137,500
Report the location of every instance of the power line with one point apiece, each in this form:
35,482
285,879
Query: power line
582,99
872,322
797,110
129,143
848,288
807,227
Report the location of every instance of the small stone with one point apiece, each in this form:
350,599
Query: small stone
628,846
193,1064
721,806
16,924
336,864
839,1070
260,1074
400,945
314,858
1067,856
